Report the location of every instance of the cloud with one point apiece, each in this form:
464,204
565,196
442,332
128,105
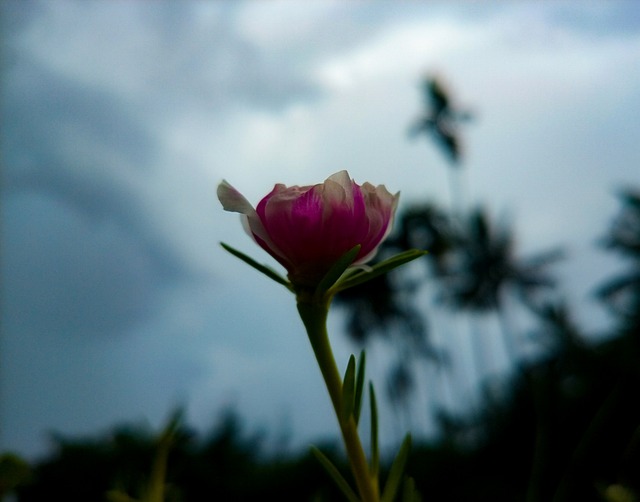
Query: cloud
69,275
92,95
604,19
187,58
81,253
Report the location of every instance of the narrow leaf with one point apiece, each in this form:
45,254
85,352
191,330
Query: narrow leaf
348,390
335,475
269,272
357,405
375,452
378,269
409,491
338,269
397,468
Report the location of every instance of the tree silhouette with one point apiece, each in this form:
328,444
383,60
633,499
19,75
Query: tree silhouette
472,267
484,268
441,119
226,464
622,293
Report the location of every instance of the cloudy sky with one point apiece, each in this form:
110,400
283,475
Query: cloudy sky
120,118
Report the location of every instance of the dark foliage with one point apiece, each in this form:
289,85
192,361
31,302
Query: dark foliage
483,264
564,428
441,119
622,293
567,430
225,466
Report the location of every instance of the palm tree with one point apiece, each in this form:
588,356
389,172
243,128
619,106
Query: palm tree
386,306
483,268
622,293
425,226
441,121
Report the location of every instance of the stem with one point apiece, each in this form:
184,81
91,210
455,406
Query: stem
314,316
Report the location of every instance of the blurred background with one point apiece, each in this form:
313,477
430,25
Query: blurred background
511,131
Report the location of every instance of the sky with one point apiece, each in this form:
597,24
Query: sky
120,118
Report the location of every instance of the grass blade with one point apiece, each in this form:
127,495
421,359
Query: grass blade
409,491
396,472
335,475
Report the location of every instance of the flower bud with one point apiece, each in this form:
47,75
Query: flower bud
308,228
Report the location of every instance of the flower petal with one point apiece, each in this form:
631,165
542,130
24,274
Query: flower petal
232,200
338,189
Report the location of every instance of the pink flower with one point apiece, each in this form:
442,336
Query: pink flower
307,229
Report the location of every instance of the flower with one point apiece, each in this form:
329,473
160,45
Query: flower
308,228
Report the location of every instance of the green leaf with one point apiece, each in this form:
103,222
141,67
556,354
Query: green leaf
335,475
348,390
268,271
362,276
395,473
337,269
357,405
375,451
409,491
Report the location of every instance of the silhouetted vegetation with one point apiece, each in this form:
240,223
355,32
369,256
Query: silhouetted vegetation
226,464
563,426
566,424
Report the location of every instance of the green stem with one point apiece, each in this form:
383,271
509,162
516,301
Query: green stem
314,316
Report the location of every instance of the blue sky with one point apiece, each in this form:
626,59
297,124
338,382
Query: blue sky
120,118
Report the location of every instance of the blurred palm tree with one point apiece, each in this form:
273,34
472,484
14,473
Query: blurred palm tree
389,306
622,293
440,121
425,226
483,269
471,266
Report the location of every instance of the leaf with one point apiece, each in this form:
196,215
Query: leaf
337,270
375,452
395,473
409,491
357,405
268,271
348,390
383,267
335,475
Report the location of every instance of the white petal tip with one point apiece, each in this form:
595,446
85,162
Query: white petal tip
232,200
